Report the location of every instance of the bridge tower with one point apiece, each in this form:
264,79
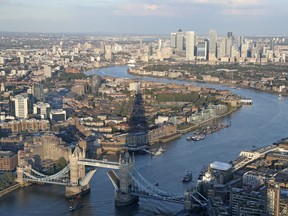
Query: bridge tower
20,174
187,200
77,173
126,169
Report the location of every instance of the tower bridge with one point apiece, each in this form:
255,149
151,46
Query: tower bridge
129,184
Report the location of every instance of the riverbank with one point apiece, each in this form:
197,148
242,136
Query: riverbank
9,189
187,130
148,74
166,139
258,125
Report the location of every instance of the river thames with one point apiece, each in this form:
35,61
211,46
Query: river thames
261,124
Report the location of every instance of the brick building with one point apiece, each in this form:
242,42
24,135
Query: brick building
8,161
27,125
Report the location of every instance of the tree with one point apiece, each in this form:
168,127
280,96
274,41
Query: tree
60,164
6,180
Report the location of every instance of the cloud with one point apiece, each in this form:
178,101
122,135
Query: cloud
4,2
186,7
246,12
142,9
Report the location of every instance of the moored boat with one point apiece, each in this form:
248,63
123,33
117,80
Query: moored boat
159,151
189,138
280,97
198,137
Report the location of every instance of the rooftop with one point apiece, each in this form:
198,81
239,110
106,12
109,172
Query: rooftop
220,166
6,154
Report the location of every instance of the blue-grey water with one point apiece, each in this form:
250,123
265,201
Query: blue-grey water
263,123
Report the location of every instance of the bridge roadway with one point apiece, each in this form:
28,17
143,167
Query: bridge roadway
99,163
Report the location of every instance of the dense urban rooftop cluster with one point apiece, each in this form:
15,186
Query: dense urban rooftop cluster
49,104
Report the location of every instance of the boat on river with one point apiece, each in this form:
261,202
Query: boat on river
189,138
280,97
195,137
198,137
76,203
159,151
187,177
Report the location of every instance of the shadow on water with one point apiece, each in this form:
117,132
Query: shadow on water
127,210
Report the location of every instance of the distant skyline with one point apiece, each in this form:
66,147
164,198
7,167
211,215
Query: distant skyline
242,17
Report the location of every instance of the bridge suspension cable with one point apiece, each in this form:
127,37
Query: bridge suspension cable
48,179
152,187
144,188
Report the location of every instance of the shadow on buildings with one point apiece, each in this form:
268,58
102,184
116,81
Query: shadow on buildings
137,138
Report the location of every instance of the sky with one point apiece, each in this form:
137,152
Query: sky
242,17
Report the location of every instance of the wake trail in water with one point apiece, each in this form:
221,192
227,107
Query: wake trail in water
280,111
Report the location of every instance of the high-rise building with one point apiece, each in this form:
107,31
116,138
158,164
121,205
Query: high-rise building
159,44
238,41
108,52
202,49
273,198
212,42
221,48
244,49
37,92
272,44
235,52
229,42
94,83
190,45
229,35
173,40
180,40
21,105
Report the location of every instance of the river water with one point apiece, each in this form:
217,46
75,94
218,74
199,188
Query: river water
261,124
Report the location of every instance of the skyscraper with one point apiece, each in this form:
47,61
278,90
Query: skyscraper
229,34
159,44
180,40
173,40
190,45
202,49
221,48
244,49
229,41
212,42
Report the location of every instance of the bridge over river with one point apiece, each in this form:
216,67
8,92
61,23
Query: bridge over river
129,184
